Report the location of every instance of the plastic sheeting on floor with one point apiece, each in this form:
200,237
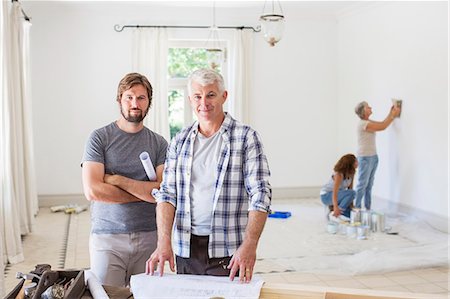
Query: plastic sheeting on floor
302,244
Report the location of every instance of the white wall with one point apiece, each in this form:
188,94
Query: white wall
294,102
78,59
400,50
303,92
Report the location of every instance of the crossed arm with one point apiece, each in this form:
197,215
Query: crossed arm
116,188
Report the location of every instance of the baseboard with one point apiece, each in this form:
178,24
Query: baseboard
438,222
295,192
49,200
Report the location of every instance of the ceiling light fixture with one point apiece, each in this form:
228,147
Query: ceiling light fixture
272,23
213,45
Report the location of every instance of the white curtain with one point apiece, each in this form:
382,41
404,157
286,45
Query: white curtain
240,67
150,52
18,202
2,238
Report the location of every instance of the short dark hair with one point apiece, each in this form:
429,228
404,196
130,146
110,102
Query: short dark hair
131,80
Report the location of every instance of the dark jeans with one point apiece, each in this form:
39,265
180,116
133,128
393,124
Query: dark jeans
199,262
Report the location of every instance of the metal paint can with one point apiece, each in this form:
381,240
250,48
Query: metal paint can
343,227
355,215
382,222
374,224
351,231
363,232
332,227
378,222
366,218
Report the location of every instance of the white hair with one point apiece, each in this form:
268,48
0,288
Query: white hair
205,77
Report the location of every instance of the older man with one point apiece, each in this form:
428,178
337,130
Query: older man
216,189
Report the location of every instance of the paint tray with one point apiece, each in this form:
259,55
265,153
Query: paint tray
279,214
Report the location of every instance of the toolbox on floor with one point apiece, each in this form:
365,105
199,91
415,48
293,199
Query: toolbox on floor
72,280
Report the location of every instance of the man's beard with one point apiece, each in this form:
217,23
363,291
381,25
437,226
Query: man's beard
137,118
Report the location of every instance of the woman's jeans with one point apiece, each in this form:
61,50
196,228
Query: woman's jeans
345,198
366,174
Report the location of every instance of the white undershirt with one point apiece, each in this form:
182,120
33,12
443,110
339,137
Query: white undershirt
203,180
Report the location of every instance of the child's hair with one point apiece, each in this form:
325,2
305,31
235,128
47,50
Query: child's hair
346,165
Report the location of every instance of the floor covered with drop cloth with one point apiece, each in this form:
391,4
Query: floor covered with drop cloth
301,243
296,250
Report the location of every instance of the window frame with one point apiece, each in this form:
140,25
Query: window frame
181,83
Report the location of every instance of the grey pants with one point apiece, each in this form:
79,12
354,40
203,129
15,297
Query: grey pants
115,257
199,262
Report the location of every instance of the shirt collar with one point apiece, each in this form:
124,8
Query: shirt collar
226,125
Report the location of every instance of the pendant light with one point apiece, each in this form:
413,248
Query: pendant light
213,45
272,23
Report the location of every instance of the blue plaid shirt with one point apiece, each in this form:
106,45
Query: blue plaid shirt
242,185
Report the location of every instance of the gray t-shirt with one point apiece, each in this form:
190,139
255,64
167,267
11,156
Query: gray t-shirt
366,140
119,151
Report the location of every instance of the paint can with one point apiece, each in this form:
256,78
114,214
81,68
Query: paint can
366,217
332,227
355,215
382,222
378,222
343,227
362,232
351,231
374,224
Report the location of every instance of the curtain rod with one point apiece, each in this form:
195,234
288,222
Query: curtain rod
119,28
27,18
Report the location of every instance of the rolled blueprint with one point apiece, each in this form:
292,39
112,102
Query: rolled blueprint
94,285
148,166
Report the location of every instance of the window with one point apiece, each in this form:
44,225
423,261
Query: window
185,57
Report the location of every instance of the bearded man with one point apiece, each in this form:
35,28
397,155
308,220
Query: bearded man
123,221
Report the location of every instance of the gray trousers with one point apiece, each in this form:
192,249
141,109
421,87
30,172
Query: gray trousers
115,257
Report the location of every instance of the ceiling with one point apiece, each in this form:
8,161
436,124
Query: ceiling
308,7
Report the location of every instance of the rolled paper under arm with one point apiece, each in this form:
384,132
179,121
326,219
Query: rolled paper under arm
148,166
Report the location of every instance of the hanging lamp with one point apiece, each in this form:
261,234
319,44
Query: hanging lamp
213,45
272,23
